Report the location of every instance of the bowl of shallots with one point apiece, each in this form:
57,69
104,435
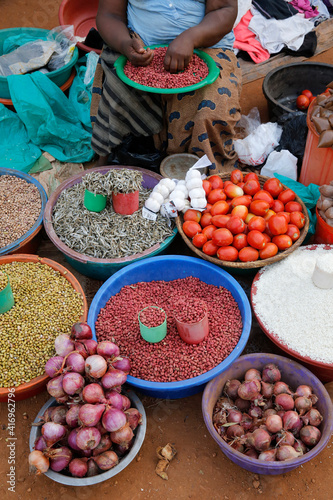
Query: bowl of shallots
268,414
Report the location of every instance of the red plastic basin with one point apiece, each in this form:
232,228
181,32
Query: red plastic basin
82,15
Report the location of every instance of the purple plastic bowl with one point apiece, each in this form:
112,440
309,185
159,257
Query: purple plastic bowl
293,374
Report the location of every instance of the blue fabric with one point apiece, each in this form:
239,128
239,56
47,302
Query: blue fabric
161,21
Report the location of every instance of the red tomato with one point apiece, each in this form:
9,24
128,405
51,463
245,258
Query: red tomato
264,195
241,184
207,186
227,253
273,186
248,254
307,93
236,176
258,223
286,215
256,239
216,195
222,237
232,191
267,237
302,102
240,241
235,225
240,211
287,195
269,214
277,224
241,200
269,251
208,231
249,217
251,187
259,207
251,175
312,98
228,183
216,181
206,219
282,241
277,206
191,228
298,219
192,214
220,208
293,206
199,240
293,232
220,220
268,231
209,248
207,209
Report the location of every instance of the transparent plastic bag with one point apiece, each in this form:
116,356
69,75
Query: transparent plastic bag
27,58
65,41
281,162
254,149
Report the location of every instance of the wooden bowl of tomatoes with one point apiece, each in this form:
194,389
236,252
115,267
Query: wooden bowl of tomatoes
250,221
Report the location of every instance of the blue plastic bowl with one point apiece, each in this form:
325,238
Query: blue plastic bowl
59,76
28,243
294,375
168,268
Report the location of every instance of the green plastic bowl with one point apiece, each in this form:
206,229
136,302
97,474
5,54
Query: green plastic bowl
213,73
59,76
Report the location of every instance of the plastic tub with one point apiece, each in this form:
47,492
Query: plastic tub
140,433
99,269
324,232
293,374
29,242
168,268
125,203
317,165
38,384
82,15
59,76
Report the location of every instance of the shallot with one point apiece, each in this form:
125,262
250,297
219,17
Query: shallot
134,417
286,452
122,364
53,366
268,455
96,366
40,444
113,419
52,432
78,467
58,414
310,435
284,402
292,422
63,345
59,458
90,346
72,439
312,417
73,383
92,468
113,378
75,362
124,435
107,460
88,438
104,445
54,387
271,373
249,389
274,423
252,374
72,416
107,349
81,331
303,404
231,388
38,460
90,415
93,393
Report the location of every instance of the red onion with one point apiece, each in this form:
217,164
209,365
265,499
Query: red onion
52,432
267,389
235,431
85,453
242,405
63,399
78,467
231,388
114,399
252,374
113,378
255,411
281,413
300,447
101,429
72,416
40,444
303,404
310,435
246,422
58,414
134,417
93,470
113,419
271,373
90,346
122,364
88,438
284,402
269,411
121,449
47,415
268,455
259,439
53,365
251,453
106,460
72,439
104,445
249,390
286,452
126,402
107,349
96,366
123,435
54,387
312,417
59,458
274,423
90,415
303,390
39,460
267,405
236,445
281,388
75,362
292,422
63,345
73,383
81,349
81,331
234,416
93,393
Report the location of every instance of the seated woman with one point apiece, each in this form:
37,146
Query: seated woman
200,122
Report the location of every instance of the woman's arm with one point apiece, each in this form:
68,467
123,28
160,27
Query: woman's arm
111,22
219,19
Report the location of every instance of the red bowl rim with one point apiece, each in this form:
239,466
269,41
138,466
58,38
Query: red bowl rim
270,335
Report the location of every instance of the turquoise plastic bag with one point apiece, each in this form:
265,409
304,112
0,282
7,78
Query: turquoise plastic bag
50,119
308,194
16,150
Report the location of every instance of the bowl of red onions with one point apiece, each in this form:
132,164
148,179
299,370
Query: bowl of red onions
268,414
91,428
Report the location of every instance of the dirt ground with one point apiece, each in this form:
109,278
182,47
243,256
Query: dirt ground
200,470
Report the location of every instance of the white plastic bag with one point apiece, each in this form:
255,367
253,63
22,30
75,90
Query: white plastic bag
254,149
281,162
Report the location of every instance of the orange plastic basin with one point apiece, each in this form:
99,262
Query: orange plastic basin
82,15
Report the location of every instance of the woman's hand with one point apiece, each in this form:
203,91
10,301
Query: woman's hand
135,52
179,53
